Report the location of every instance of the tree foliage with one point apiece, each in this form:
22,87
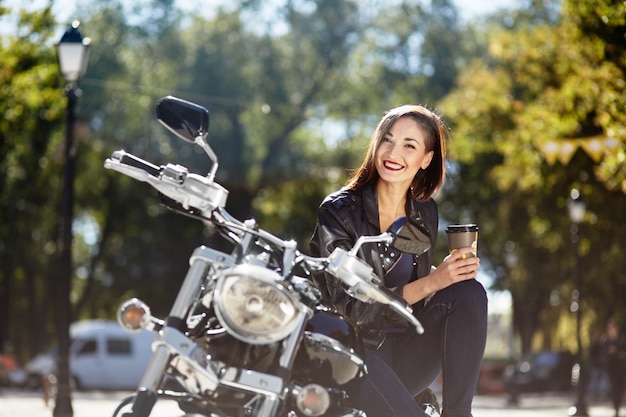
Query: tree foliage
30,155
545,80
294,89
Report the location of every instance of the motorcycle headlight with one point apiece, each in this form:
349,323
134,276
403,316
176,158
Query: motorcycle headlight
253,305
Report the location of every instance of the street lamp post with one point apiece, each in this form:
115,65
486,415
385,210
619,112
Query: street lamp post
576,210
73,56
511,259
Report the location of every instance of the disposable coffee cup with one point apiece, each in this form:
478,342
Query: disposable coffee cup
462,236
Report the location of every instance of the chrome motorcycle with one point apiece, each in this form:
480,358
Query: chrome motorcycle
248,333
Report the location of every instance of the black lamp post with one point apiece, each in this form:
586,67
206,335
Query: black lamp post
511,258
73,56
576,210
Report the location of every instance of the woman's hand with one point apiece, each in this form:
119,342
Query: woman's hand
461,265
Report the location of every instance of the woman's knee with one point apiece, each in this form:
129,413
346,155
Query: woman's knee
468,299
465,292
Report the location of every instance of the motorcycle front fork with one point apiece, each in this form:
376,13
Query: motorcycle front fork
146,395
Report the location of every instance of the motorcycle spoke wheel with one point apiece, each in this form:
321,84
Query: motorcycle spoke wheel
126,406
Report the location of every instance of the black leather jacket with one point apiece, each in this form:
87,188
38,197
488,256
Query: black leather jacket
343,217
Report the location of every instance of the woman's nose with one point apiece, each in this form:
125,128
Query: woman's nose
395,149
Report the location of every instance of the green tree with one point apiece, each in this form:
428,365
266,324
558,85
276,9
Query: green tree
544,80
141,249
293,97
261,87
111,110
31,157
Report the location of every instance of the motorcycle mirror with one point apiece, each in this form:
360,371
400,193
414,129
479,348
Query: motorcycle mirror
409,236
186,120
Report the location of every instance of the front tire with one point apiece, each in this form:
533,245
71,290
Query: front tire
126,406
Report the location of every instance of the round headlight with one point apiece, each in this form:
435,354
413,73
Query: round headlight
253,305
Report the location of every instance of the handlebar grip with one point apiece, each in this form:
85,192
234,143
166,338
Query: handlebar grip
132,160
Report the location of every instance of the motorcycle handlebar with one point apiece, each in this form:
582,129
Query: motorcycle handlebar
361,282
190,190
134,161
202,193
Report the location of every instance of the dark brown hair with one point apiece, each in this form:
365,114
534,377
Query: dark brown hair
427,181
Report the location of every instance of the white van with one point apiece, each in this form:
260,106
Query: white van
102,356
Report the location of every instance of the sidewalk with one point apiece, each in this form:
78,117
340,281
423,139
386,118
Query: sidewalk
15,403
537,405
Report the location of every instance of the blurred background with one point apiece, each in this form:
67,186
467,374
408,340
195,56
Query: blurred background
533,91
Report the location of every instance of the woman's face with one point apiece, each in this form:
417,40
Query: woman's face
402,152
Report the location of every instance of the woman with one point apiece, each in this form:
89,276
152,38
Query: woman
404,166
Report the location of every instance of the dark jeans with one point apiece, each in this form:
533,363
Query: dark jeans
455,323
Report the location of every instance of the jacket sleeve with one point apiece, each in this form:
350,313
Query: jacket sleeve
332,231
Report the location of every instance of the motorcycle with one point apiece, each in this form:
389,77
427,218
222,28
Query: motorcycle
248,333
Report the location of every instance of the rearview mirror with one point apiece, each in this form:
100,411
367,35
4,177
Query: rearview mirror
186,120
410,236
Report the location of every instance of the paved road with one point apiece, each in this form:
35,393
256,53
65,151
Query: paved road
15,403
536,405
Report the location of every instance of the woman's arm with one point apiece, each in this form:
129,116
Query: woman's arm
455,268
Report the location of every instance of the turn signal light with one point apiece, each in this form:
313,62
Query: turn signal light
313,400
134,315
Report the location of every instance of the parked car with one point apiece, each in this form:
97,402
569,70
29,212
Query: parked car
540,372
30,376
102,356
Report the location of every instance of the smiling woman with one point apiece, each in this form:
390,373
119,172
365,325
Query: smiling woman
403,168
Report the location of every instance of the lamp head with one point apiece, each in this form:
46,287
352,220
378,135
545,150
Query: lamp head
576,207
73,53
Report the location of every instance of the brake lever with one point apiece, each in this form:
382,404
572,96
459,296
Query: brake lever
375,290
